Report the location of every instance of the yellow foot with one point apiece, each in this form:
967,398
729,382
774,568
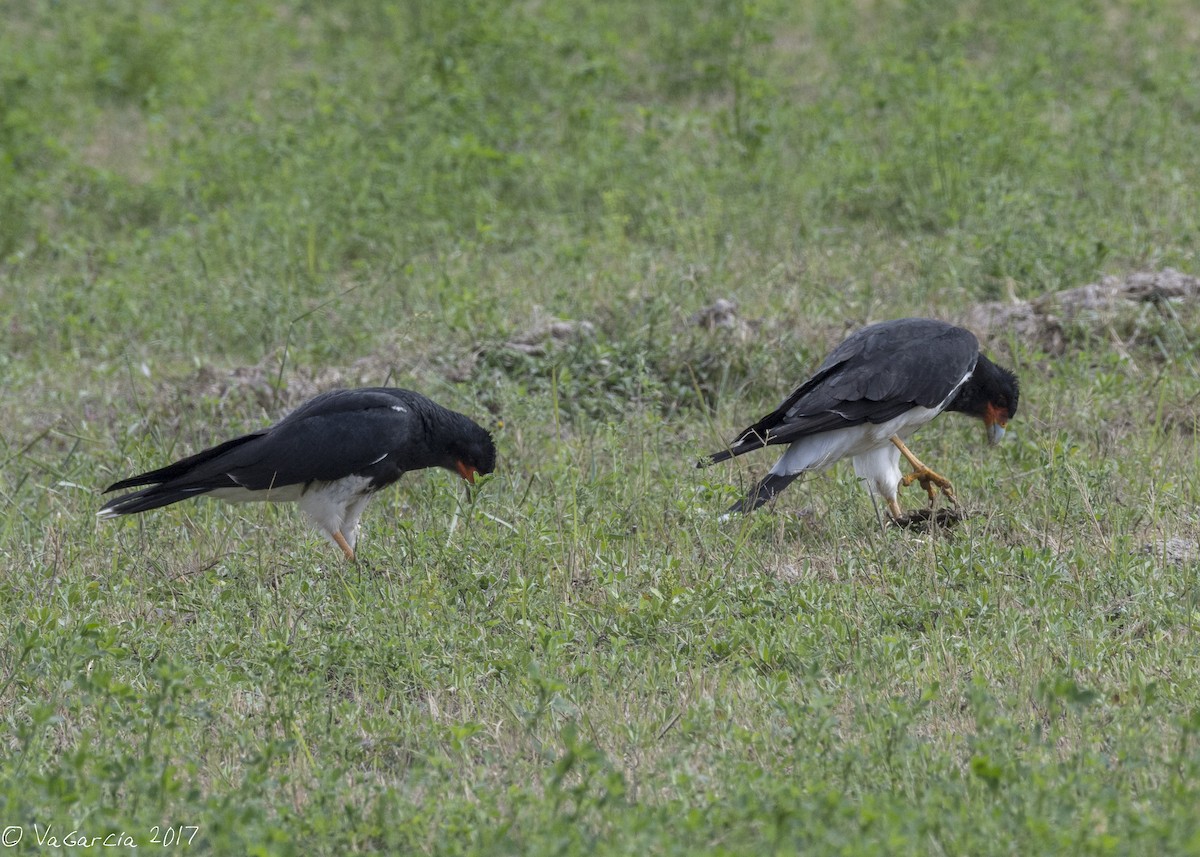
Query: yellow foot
341,542
930,480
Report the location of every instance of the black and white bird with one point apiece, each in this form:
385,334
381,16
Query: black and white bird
868,396
330,455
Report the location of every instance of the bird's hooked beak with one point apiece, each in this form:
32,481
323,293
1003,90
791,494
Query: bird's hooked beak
995,419
466,471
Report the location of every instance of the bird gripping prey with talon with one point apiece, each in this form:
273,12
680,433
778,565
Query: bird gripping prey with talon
867,397
330,455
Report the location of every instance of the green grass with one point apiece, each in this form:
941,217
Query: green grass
209,213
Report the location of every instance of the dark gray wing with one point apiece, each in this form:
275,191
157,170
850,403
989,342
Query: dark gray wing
333,435
874,376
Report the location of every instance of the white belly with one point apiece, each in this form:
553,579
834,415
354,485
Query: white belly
821,450
335,507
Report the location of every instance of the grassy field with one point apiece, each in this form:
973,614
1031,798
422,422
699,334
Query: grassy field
210,211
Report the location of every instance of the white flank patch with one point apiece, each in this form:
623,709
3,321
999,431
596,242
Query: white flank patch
282,494
880,469
336,506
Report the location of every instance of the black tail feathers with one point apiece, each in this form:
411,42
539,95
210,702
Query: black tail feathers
147,499
764,491
742,445
708,460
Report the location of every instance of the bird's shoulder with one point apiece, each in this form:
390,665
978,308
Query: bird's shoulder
356,401
332,436
918,361
901,341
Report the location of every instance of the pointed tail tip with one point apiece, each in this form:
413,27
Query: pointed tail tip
741,507
738,508
714,458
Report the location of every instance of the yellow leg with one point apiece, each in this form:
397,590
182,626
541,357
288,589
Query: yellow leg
341,542
927,477
894,509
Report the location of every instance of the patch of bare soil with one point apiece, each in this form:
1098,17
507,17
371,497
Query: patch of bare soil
1173,551
930,520
1109,308
545,332
264,385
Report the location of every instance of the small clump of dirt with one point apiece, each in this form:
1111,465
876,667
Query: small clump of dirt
929,520
1183,417
1173,551
276,391
1112,292
1019,319
545,331
722,314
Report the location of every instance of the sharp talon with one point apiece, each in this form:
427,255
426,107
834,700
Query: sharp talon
922,474
931,482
